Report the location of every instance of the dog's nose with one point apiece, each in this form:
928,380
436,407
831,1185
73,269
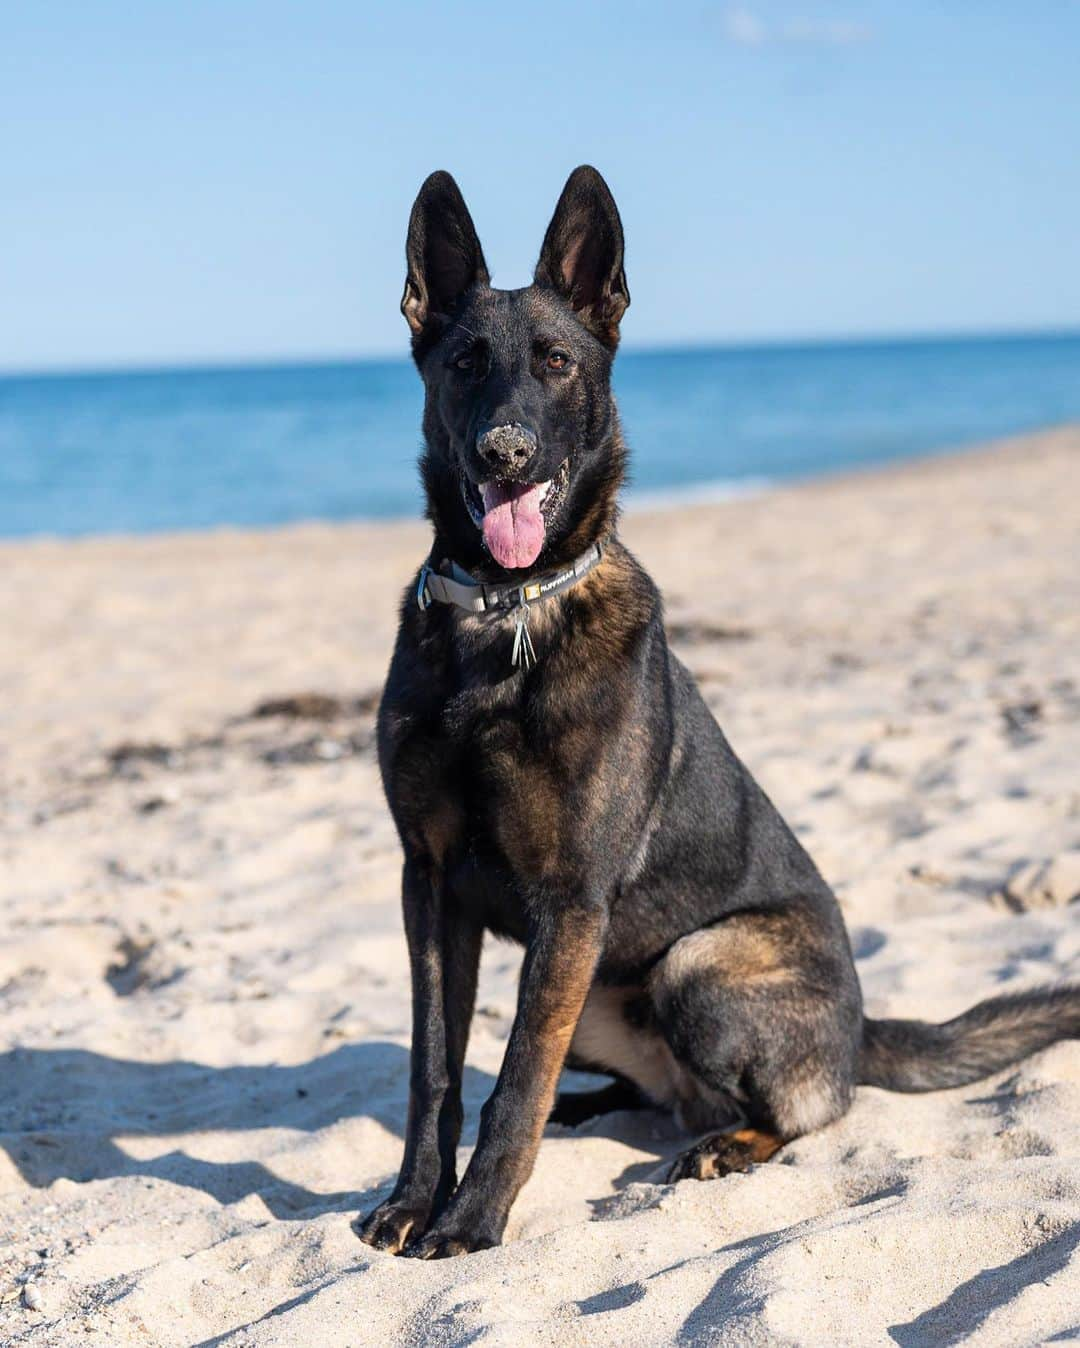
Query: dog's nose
511,445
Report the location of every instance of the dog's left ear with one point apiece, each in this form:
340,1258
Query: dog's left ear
582,256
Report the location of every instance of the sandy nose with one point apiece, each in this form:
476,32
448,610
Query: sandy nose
507,446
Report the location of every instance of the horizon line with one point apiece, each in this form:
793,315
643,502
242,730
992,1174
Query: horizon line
225,365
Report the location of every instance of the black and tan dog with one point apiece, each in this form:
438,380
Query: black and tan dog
557,779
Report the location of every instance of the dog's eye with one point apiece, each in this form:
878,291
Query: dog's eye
557,360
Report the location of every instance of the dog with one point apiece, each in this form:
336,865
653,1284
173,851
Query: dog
556,778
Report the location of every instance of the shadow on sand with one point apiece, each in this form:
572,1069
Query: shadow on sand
62,1110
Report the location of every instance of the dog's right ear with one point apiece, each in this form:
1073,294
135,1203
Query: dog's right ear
442,252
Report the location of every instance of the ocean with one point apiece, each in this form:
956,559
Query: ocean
145,451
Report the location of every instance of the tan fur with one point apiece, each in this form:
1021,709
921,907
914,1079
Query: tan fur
554,1017
605,1038
759,1145
745,950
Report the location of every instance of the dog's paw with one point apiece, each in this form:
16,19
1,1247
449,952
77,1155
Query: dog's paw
446,1243
723,1154
391,1224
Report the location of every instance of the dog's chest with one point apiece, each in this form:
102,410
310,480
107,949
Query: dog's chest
508,774
483,786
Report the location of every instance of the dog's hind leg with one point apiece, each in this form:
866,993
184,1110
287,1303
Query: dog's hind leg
761,1009
574,1107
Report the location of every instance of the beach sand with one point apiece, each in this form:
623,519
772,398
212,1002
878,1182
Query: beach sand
204,1008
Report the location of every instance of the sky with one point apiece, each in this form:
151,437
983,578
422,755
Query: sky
223,182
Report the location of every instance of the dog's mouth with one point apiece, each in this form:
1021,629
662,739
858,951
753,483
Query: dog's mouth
513,516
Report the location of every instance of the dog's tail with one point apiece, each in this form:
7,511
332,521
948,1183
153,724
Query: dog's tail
913,1055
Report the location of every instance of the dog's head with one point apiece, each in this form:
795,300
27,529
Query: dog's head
523,456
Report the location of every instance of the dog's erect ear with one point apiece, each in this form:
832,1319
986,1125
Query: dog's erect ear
582,256
442,252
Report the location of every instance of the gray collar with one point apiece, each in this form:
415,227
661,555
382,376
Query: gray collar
475,596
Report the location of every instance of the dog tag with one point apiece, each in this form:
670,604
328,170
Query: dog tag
523,656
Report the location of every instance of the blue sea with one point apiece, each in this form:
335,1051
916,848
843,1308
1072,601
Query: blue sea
198,448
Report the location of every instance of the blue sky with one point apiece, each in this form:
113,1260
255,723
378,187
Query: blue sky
202,182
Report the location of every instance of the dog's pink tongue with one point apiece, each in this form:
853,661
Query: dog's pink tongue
513,524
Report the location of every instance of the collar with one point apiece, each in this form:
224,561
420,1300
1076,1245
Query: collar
474,596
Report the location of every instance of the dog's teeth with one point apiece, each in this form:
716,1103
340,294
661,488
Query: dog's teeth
545,487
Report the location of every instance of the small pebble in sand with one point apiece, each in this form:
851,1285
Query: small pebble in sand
32,1296
168,795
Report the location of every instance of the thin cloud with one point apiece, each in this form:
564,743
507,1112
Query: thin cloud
744,27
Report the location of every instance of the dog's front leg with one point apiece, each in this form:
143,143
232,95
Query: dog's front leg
444,955
560,960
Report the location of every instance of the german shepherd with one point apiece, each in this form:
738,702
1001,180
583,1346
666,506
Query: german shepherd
556,778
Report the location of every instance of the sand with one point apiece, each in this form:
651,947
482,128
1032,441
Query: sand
203,982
